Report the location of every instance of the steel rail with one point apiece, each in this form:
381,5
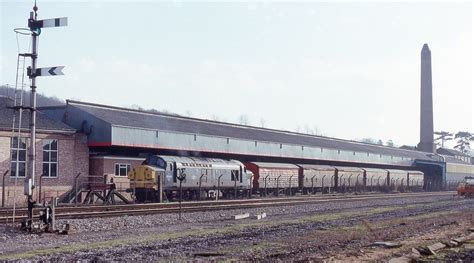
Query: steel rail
108,211
6,212
268,199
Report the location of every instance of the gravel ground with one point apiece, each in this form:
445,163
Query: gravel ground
315,231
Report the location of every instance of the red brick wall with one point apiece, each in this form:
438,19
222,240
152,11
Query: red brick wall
100,165
105,165
73,156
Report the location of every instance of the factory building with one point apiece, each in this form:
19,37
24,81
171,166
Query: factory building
458,166
454,154
119,138
61,153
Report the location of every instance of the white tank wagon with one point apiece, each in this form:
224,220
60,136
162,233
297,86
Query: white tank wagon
317,178
201,178
349,178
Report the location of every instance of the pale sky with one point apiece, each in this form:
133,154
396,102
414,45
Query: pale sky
351,69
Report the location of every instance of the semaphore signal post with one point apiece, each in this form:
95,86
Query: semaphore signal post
35,27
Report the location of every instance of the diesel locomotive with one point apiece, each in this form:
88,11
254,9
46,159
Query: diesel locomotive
199,178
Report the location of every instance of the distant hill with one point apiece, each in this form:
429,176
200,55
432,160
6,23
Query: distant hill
44,100
41,100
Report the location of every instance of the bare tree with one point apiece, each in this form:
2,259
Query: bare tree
368,140
297,128
315,130
464,139
263,122
214,117
443,137
137,107
390,143
244,119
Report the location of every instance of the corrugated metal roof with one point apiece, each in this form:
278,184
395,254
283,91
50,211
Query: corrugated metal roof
446,151
452,159
43,122
159,121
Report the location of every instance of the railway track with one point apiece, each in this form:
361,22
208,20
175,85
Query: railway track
70,212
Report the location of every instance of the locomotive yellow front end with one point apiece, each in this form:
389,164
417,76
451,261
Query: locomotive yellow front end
145,182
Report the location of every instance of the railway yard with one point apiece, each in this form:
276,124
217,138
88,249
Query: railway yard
334,228
83,181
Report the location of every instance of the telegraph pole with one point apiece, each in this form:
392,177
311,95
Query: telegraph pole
35,27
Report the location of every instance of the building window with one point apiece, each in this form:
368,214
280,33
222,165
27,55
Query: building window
50,158
122,169
18,157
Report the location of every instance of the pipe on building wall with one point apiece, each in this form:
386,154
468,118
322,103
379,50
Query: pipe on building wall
40,186
3,188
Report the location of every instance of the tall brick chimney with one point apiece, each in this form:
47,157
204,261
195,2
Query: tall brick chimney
426,113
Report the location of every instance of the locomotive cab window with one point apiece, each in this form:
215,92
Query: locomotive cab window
175,172
155,161
234,175
241,174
